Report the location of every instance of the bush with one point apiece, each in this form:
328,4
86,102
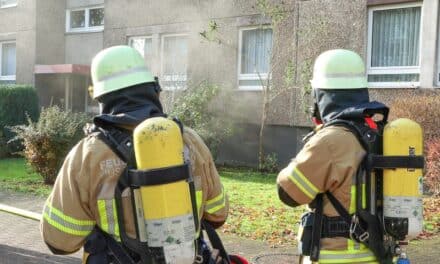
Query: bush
48,141
196,109
17,103
432,176
423,107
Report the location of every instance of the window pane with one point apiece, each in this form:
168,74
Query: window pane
8,59
145,48
96,17
8,2
256,50
77,19
174,61
395,37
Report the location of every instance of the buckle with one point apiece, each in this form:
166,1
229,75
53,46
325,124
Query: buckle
355,227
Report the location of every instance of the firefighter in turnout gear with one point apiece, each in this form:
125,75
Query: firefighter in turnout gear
83,208
327,166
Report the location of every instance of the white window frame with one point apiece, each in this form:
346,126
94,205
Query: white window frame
7,77
392,70
87,27
252,76
10,5
162,44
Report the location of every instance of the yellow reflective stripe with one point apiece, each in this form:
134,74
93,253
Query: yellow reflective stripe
352,200
103,215
108,217
65,223
364,195
199,199
346,256
216,204
65,229
303,183
115,215
67,218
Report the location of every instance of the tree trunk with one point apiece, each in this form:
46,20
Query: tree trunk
264,110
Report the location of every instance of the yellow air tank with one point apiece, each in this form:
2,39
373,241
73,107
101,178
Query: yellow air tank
403,187
165,215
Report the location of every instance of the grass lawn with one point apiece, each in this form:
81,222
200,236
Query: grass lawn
255,210
14,176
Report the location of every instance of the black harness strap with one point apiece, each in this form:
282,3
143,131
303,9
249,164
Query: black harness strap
392,162
159,176
216,242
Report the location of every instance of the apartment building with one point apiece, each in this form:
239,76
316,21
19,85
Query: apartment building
231,43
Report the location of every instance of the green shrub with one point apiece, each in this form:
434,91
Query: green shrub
270,163
47,142
423,107
432,177
196,108
17,103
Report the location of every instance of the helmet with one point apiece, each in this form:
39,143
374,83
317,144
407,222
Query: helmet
339,69
117,68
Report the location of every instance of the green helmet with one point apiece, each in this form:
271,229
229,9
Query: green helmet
339,69
117,68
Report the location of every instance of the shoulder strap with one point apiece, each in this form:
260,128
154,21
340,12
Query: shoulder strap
317,228
216,242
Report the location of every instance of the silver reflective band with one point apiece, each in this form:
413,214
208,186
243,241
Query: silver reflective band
345,75
123,73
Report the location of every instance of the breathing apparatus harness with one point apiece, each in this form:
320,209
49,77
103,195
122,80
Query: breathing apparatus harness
366,225
103,248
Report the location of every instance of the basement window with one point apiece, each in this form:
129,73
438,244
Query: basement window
255,46
85,19
7,61
394,45
8,3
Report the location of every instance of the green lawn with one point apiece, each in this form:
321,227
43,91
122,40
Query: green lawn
15,176
256,212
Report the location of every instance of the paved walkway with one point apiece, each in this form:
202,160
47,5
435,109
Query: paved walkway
20,241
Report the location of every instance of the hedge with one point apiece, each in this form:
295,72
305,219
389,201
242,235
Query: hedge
17,103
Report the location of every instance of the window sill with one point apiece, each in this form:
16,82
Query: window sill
8,78
8,6
84,31
394,85
250,88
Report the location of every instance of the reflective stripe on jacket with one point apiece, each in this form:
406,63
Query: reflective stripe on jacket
328,162
83,193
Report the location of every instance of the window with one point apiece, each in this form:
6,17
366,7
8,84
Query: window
86,19
254,59
8,3
8,61
145,47
174,61
394,45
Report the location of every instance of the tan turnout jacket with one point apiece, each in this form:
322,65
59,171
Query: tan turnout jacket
83,194
328,162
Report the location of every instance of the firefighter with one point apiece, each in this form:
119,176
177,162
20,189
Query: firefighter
329,161
83,197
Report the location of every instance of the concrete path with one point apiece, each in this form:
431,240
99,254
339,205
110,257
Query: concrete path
20,241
